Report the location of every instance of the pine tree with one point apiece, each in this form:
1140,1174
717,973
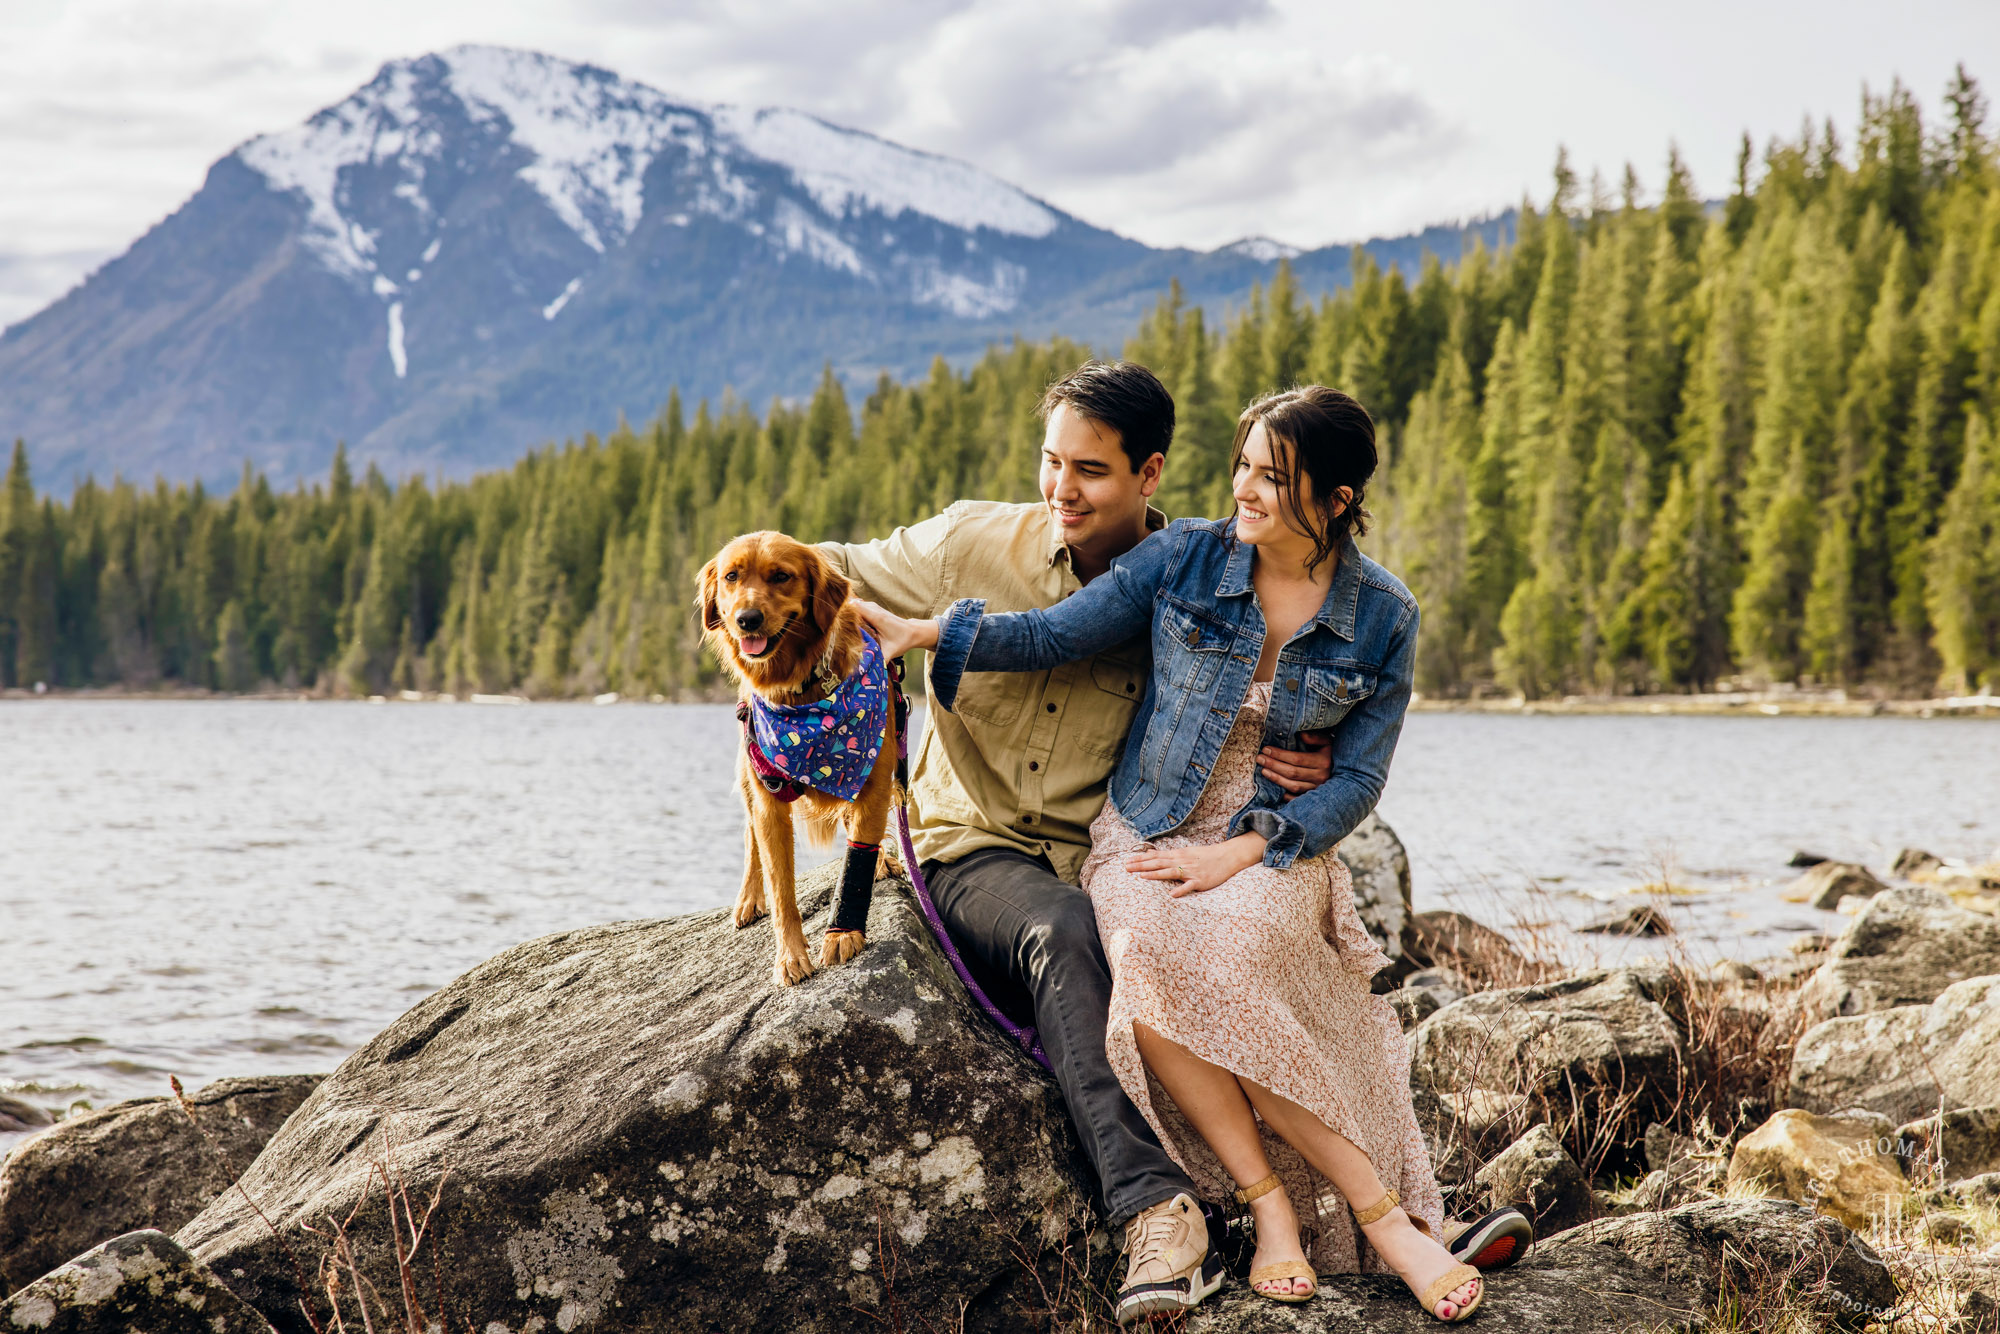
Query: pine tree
1963,588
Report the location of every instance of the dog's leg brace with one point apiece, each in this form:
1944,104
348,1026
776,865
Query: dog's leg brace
857,886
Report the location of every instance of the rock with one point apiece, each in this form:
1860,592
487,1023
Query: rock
1804,859
1582,1290
1903,1062
1916,864
1971,1313
636,1130
1731,970
1412,1005
1457,941
17,1116
136,1164
1829,882
1604,1032
140,1283
1964,1142
1907,945
1447,984
1846,1166
1983,1189
1763,1251
1537,1175
1945,1229
1380,869
1644,920
1813,942
1664,1148
1682,1163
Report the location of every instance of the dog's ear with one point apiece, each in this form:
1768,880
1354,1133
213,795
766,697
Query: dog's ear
711,613
830,590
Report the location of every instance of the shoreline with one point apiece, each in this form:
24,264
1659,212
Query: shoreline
1723,704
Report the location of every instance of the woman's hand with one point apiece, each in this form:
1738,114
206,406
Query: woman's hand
1191,870
896,634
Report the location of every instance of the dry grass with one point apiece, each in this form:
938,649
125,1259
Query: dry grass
338,1277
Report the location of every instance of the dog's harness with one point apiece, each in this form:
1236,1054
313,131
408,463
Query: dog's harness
857,881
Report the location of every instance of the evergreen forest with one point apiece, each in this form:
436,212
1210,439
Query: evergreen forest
1649,445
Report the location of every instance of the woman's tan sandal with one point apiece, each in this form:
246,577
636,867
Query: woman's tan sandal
1280,1270
1444,1287
1453,1279
1285,1270
1257,1190
1378,1210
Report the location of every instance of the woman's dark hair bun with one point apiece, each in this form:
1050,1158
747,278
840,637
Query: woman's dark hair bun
1327,437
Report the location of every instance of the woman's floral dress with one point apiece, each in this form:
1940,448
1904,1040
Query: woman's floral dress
1267,977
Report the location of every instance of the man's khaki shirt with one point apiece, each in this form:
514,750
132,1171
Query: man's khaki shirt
1024,760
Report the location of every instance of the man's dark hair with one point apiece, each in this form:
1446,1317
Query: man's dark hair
1122,395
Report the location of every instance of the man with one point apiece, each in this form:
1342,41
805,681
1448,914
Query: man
1004,789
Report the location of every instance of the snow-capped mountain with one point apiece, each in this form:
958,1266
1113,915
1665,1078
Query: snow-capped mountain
484,248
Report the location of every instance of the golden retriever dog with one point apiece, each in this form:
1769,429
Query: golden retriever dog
777,616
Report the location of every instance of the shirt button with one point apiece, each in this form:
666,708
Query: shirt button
1130,687
1027,819
1052,708
1033,765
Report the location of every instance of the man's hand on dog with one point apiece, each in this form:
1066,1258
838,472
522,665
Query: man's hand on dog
1299,771
896,634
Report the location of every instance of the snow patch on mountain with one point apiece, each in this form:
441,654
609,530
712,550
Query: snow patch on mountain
380,123
589,138
1260,248
398,357
846,171
592,133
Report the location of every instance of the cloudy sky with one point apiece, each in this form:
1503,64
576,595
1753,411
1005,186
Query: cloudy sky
1179,122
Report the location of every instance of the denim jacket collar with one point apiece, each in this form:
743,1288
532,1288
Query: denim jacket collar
1336,612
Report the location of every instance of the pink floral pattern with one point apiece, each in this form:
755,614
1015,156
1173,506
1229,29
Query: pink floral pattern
1267,976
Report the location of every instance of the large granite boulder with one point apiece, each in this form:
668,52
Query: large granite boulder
1904,948
1593,1037
1904,1062
1763,1251
140,1283
1579,1290
636,1131
1847,1166
133,1165
1380,869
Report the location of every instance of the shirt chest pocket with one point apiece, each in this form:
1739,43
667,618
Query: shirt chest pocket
1331,693
1190,646
1118,676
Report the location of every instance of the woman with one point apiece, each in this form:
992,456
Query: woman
1242,1024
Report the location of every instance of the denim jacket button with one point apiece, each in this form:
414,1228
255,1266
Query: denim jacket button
1292,683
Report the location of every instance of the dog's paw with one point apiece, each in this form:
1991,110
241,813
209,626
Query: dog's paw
748,910
792,966
891,865
839,947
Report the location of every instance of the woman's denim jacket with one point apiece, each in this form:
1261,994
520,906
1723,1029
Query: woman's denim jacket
1347,671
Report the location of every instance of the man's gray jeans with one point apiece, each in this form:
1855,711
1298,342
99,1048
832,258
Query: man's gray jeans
1031,941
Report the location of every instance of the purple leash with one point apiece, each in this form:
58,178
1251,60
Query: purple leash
1026,1036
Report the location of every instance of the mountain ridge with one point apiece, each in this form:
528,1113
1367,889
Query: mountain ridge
482,249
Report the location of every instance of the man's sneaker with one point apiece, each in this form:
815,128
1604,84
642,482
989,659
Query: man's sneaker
1169,1265
1492,1242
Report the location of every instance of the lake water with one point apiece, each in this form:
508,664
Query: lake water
253,887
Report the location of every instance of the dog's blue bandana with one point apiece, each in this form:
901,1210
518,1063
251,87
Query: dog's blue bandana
829,745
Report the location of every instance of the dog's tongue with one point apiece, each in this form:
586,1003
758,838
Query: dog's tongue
754,644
